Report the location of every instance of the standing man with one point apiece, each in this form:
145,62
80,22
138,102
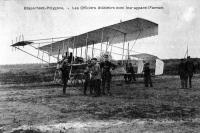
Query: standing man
126,75
131,70
87,79
182,73
190,69
106,65
147,75
96,77
65,69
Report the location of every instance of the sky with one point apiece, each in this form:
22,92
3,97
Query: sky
178,22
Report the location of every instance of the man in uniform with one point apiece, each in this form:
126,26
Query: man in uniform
131,70
147,75
126,75
87,79
65,69
190,69
182,73
96,77
106,65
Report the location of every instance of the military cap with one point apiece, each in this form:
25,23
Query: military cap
105,56
94,59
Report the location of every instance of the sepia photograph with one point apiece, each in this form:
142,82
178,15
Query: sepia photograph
99,66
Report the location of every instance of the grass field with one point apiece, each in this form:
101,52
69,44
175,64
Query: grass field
40,106
26,73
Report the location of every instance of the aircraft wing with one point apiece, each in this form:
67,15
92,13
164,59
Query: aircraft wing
22,43
130,30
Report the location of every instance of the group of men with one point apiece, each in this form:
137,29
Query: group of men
131,74
185,70
98,77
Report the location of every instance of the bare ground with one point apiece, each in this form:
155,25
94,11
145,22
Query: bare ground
41,107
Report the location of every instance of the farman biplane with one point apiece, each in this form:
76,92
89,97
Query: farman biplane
104,40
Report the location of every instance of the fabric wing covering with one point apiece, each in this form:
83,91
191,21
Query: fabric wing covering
155,62
140,65
159,67
129,30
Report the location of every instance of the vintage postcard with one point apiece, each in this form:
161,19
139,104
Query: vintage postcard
99,66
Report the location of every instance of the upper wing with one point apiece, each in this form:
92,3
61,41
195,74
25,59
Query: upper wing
130,30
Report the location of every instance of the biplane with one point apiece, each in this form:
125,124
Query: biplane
98,41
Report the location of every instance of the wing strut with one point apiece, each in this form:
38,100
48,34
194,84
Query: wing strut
186,53
76,52
93,50
107,46
42,56
73,50
81,51
101,38
123,48
86,49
